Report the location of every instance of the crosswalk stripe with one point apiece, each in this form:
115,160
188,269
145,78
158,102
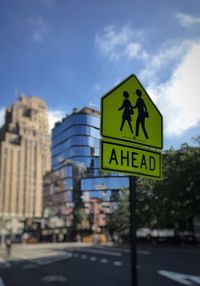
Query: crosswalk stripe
103,260
117,263
1,282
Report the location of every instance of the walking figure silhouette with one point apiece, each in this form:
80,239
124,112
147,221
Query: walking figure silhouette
128,111
142,114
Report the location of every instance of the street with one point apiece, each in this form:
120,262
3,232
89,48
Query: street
74,265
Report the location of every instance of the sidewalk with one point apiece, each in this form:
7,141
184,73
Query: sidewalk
20,247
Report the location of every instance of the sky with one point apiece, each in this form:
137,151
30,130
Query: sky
71,52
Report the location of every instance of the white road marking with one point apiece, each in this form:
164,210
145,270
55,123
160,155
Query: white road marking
54,278
145,252
1,282
44,257
93,258
117,263
29,266
83,256
43,261
104,252
103,260
183,279
118,249
124,250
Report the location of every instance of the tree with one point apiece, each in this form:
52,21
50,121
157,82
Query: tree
81,219
175,200
172,202
118,223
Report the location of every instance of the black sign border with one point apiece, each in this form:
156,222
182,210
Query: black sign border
125,140
127,172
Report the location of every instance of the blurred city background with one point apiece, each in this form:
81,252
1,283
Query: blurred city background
62,220
52,190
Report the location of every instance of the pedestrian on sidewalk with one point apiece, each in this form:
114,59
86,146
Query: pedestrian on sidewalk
8,246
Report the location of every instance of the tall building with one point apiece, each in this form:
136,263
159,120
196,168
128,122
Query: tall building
25,156
76,174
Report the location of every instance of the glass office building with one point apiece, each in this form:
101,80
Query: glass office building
76,176
76,138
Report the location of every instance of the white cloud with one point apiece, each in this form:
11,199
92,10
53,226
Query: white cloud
2,115
187,20
55,116
171,74
110,40
115,44
97,87
132,50
40,29
178,98
164,59
135,50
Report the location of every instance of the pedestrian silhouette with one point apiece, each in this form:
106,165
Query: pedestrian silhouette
128,111
8,246
142,114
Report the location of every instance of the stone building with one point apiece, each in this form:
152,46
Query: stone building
25,156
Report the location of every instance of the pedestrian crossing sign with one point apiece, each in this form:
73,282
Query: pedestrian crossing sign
128,114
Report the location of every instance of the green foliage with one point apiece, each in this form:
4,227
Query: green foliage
172,202
81,219
119,220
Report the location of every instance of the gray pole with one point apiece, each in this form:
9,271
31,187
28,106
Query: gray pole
132,187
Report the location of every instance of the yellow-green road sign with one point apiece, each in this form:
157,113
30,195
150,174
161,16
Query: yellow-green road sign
132,160
128,114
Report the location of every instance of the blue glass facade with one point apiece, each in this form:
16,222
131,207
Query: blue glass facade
76,138
75,157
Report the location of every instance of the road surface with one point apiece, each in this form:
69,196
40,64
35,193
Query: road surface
63,264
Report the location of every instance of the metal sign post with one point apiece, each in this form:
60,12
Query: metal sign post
132,139
132,195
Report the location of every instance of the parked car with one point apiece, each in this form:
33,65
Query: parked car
143,233
163,235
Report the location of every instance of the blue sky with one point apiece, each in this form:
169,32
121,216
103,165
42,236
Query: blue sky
71,52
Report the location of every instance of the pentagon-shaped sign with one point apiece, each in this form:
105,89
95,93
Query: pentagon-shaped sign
128,114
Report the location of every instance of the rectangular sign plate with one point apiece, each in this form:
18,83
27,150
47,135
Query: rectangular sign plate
135,161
